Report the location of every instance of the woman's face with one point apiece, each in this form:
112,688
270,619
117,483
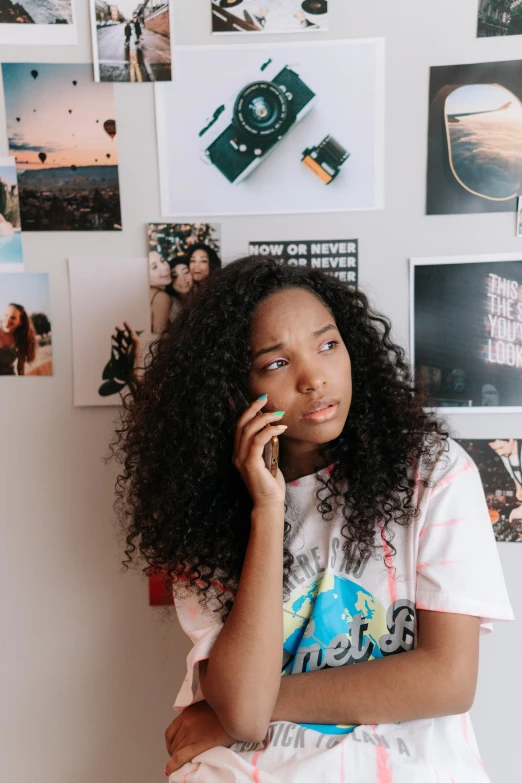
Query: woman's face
181,279
12,319
199,265
300,360
159,270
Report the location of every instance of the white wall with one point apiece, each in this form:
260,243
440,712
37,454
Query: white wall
91,671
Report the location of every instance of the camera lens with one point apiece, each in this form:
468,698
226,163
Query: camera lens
261,109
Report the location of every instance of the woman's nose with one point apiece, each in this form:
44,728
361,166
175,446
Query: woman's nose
310,379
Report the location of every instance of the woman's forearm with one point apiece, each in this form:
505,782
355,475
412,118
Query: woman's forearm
244,670
403,687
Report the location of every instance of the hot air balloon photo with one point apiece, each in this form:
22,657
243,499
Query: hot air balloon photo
131,41
67,162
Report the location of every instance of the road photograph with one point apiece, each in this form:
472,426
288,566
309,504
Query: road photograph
131,41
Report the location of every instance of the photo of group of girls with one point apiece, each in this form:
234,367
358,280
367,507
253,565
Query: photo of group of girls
182,257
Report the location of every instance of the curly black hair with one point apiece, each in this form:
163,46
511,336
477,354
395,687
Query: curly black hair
180,499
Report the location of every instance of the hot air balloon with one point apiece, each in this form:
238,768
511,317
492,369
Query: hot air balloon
109,126
108,155
75,82
96,160
42,156
18,119
34,74
70,111
97,120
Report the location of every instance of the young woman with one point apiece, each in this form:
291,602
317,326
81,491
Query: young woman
202,261
182,287
372,546
160,301
17,341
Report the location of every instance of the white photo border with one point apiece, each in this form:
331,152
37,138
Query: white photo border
17,34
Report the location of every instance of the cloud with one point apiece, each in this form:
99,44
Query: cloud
17,144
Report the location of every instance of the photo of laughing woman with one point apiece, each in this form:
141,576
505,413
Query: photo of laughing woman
203,262
357,551
17,341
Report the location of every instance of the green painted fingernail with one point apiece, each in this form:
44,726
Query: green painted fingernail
279,413
262,397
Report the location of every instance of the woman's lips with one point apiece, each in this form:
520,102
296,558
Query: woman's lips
323,415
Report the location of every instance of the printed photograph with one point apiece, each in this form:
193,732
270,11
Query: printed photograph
62,132
475,138
26,346
498,461
466,332
131,40
11,255
37,22
110,316
182,257
499,17
337,257
271,132
269,16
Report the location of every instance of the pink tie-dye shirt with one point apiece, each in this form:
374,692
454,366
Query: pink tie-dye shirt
336,614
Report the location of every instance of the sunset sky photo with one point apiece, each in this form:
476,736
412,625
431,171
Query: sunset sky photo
50,114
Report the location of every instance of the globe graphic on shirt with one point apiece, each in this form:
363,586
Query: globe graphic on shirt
320,612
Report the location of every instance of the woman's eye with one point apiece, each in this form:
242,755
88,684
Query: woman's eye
329,343
272,365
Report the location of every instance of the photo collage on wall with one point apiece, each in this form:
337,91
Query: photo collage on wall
265,130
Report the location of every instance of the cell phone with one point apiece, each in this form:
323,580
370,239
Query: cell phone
271,449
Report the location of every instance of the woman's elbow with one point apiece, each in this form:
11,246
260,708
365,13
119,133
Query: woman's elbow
245,727
460,689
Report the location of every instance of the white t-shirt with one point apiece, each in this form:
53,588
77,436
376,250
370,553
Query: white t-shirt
446,561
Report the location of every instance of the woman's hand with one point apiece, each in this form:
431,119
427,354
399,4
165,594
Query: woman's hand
251,436
195,730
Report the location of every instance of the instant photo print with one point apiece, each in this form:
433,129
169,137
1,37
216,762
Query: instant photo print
242,132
